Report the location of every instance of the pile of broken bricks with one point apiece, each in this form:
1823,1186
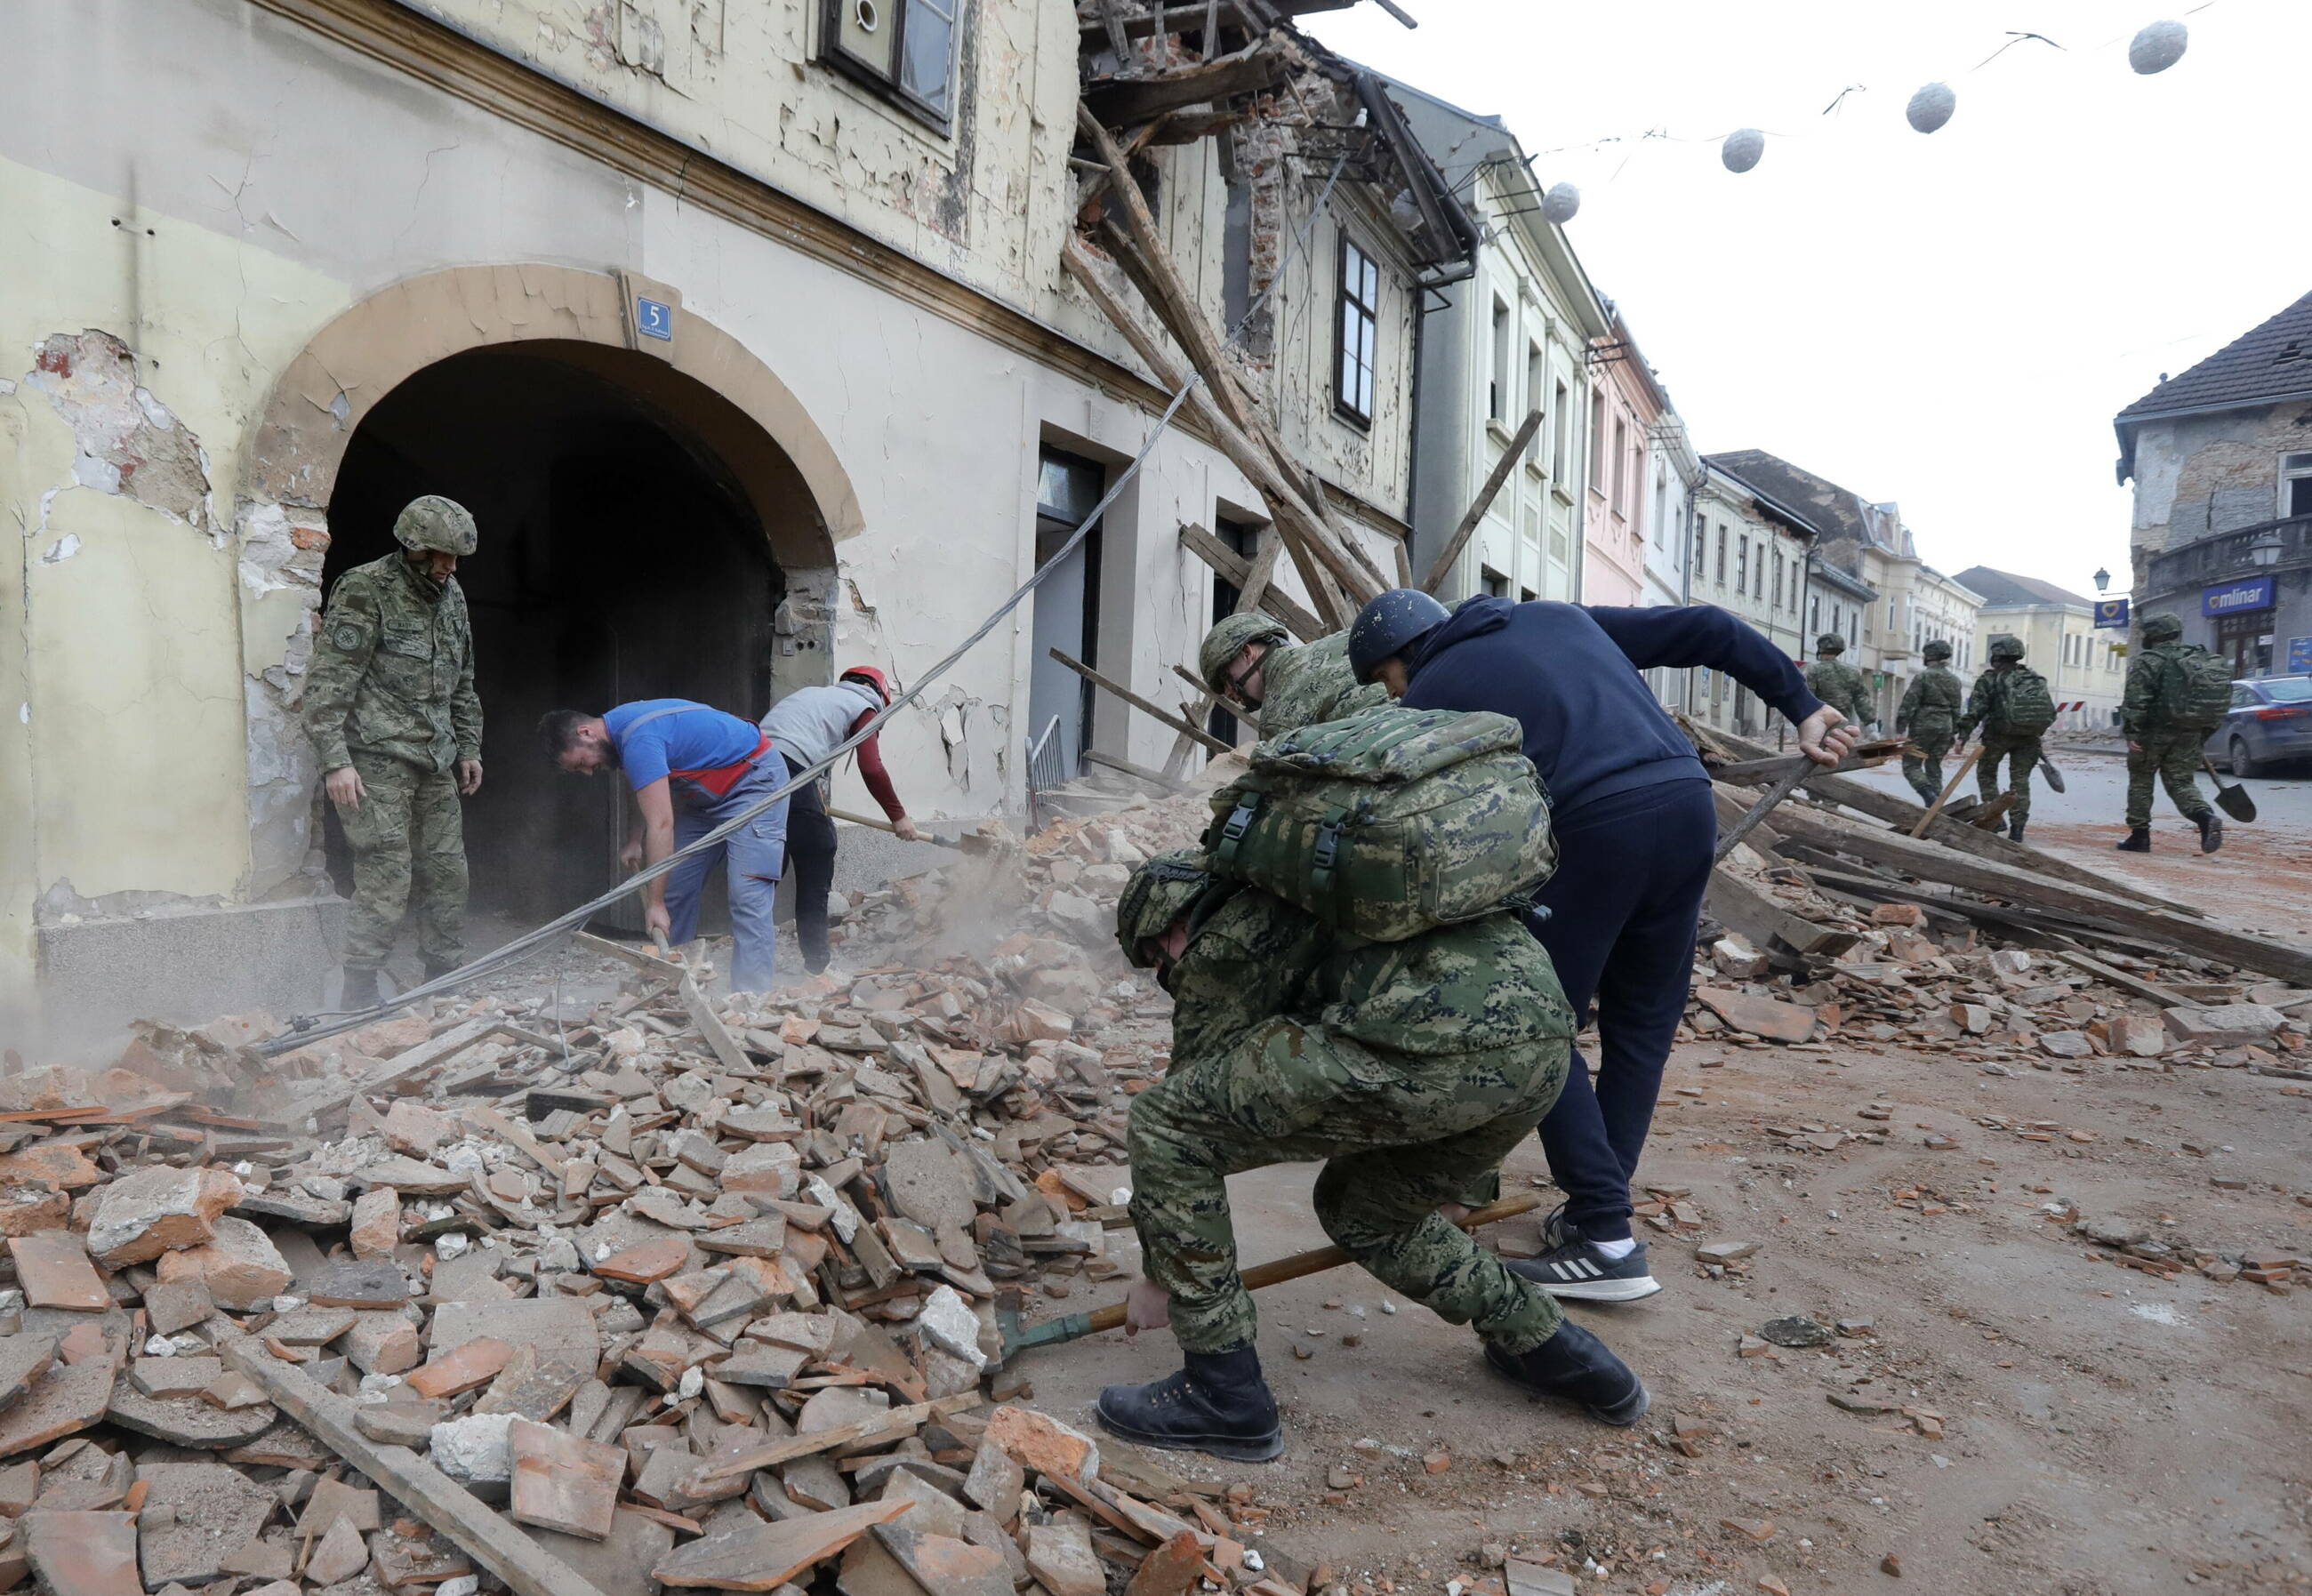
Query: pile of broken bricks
672,1293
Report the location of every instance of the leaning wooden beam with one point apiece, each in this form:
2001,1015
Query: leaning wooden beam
1253,592
1143,705
1442,567
403,1064
1237,572
710,1026
1953,831
1932,862
497,1543
1154,778
1241,452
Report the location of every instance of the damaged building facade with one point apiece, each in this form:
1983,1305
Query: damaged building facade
744,331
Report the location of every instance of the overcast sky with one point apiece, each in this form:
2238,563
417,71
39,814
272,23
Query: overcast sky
1945,320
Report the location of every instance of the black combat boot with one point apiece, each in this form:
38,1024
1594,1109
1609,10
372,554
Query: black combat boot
1218,1404
2137,841
2212,830
360,990
2015,831
1575,1365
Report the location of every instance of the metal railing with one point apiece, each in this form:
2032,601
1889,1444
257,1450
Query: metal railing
2244,551
1044,771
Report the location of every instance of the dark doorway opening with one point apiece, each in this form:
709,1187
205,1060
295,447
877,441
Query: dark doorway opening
621,557
1067,608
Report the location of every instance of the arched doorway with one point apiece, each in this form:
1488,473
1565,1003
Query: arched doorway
621,557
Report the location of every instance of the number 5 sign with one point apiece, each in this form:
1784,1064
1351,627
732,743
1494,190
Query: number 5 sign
651,309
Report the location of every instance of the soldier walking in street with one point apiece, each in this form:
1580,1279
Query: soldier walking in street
390,708
1839,684
2177,693
1410,1068
1928,713
1250,662
2011,704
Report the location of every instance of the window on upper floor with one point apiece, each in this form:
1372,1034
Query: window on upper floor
1359,334
1235,237
1778,579
1742,566
1498,397
1561,434
1494,582
903,48
1533,380
1621,467
1722,553
1597,443
2296,485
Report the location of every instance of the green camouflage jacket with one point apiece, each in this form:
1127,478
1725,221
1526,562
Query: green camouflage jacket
1986,704
1467,987
393,671
1932,704
1840,686
1312,682
2148,671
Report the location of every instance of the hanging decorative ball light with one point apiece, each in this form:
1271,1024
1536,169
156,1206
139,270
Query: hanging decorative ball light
2158,47
1931,107
1742,148
1559,206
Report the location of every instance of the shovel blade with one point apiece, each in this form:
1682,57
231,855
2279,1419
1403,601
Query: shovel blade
2054,777
2233,801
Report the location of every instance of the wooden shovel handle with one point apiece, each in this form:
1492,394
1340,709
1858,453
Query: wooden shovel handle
1319,1259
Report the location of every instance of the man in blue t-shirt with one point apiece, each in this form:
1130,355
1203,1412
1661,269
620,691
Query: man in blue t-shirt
691,768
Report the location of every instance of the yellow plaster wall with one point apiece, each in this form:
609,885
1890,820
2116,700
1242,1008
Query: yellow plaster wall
123,742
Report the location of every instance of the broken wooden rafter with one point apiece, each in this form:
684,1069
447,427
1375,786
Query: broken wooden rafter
1240,573
1154,711
1141,773
1442,567
1126,102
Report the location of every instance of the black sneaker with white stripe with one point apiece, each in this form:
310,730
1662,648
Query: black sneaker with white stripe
1573,1267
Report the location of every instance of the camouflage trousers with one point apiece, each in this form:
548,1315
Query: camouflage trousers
409,841
2022,757
1924,769
1399,1134
2173,757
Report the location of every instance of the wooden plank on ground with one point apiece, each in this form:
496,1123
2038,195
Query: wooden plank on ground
701,1014
445,1505
410,1061
1741,906
650,964
2113,976
1931,862
1143,705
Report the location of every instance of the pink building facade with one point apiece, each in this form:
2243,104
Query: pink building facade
1626,403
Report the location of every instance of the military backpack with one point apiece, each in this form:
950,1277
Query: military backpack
2026,708
1389,823
2195,690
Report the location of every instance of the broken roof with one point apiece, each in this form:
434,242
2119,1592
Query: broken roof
1833,511
2003,590
2266,365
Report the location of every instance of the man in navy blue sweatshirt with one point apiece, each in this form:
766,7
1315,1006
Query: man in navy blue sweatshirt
1636,826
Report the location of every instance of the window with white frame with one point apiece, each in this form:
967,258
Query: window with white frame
2296,485
1535,378
1561,435
903,48
1497,387
1358,333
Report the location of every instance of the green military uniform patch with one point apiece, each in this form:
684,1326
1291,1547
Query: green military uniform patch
1411,1068
390,693
1313,682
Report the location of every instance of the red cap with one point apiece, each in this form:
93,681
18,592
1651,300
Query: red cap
871,675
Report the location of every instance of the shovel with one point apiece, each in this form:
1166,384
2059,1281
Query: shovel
971,842
2054,777
2230,797
1018,1338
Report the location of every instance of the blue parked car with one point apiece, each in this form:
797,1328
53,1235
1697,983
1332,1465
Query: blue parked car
2270,721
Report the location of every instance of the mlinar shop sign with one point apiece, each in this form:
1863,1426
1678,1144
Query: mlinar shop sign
2231,598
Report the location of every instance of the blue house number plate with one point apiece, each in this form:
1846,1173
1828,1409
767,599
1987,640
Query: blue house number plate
654,320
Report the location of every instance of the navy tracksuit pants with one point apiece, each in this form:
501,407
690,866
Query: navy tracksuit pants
1632,869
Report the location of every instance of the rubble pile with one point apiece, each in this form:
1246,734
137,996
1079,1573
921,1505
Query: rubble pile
697,1295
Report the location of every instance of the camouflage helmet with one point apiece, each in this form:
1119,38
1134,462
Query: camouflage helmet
1830,643
1161,891
2162,625
1227,640
2005,645
1936,650
434,522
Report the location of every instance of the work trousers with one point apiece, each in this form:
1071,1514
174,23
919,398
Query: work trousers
752,857
1632,869
1924,769
1398,1134
811,865
2022,757
408,842
2174,758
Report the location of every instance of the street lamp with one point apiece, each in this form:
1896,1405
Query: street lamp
2265,550
2102,579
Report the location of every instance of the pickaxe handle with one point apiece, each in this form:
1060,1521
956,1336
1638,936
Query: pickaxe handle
1759,812
844,814
1260,1275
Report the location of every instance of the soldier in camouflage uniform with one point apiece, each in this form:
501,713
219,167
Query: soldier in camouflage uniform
390,706
2158,749
1987,707
1411,1068
1837,683
1251,663
1926,717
